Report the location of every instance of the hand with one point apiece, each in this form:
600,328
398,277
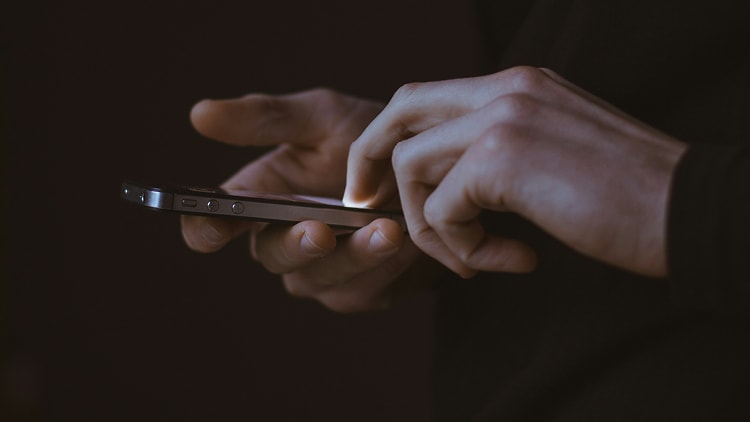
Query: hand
525,141
312,132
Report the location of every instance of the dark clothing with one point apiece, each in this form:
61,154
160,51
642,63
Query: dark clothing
579,340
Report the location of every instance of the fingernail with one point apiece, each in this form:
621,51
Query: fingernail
349,201
381,245
211,234
311,248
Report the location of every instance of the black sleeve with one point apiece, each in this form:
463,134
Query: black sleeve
708,236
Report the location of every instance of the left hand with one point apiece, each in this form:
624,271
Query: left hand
525,141
311,131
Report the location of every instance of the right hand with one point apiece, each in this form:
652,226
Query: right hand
526,141
312,132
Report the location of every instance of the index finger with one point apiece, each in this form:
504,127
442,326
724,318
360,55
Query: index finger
417,107
300,119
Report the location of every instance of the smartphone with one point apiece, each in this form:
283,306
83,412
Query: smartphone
274,208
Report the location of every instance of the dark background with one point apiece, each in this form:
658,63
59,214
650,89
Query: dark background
109,315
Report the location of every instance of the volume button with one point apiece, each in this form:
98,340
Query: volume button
238,208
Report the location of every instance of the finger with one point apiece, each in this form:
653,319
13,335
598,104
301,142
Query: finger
358,275
205,234
413,109
427,157
271,173
300,119
421,162
379,287
512,124
418,107
474,248
423,235
452,211
362,251
283,249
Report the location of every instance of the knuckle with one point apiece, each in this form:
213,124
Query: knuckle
400,157
434,216
526,78
406,91
327,97
357,148
361,149
507,140
419,233
508,149
425,238
400,110
495,138
467,254
516,108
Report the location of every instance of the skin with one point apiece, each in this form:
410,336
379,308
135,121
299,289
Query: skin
312,132
523,140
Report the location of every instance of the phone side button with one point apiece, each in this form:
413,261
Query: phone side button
238,208
192,203
212,205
